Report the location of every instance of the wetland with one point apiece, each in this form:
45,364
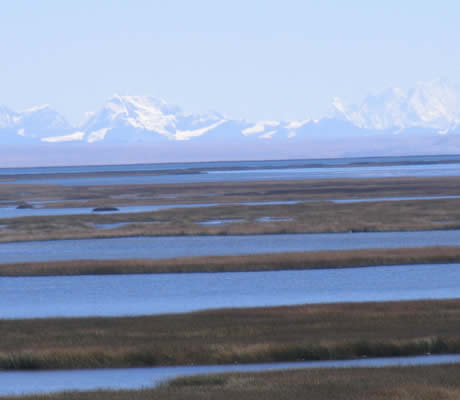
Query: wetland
234,263
251,335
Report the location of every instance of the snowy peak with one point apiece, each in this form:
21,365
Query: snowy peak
434,104
139,112
7,118
34,122
43,116
144,115
430,108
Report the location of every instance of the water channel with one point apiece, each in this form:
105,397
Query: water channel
117,295
185,246
11,211
29,382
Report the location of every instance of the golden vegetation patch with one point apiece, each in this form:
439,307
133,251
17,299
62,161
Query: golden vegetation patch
272,334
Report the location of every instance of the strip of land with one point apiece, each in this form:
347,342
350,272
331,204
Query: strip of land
245,263
408,215
423,383
200,170
254,335
224,192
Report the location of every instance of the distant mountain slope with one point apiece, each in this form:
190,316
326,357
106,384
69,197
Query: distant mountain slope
31,125
425,119
434,104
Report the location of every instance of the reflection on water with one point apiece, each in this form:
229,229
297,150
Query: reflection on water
28,382
115,295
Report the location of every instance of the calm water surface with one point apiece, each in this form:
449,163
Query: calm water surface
13,212
335,172
400,198
115,295
182,246
324,162
21,382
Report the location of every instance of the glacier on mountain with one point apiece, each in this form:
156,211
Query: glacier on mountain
72,137
385,122
434,104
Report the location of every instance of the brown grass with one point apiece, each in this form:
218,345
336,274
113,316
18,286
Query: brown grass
395,383
221,192
306,217
312,332
255,262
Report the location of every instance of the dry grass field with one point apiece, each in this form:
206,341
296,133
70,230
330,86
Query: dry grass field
318,215
293,333
258,262
291,218
224,192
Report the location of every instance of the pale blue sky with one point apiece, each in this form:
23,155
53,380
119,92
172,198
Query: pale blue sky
254,59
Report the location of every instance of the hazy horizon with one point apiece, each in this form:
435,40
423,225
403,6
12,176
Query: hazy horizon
253,60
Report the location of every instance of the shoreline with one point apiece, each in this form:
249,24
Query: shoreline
245,263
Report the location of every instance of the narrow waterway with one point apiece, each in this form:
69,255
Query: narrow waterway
28,382
117,295
189,246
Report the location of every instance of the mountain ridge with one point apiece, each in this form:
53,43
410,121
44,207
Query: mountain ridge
424,119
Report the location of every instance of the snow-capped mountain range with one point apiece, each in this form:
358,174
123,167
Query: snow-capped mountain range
384,122
434,104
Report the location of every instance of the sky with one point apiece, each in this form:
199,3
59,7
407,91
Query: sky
249,59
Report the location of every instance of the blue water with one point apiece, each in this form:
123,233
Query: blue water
29,382
400,198
184,246
13,212
115,295
255,175
248,170
325,162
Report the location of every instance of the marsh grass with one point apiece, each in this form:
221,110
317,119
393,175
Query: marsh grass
314,332
307,217
292,218
304,189
259,262
395,383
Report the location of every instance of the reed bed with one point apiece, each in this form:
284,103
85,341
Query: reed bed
395,383
270,334
221,192
292,218
244,263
